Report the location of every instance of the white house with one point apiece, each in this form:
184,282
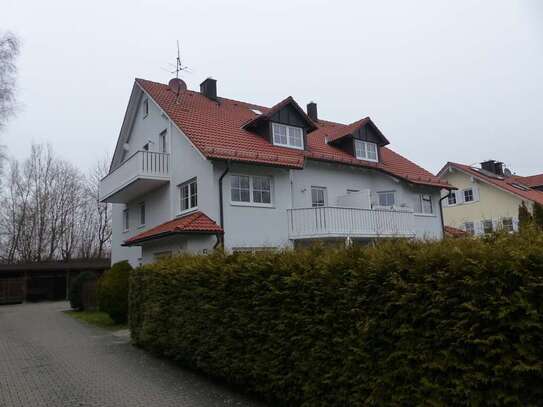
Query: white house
192,171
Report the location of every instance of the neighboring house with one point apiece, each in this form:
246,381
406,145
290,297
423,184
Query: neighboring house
192,170
487,198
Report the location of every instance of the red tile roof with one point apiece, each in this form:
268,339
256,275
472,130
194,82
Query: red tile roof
217,129
532,180
455,232
195,222
505,183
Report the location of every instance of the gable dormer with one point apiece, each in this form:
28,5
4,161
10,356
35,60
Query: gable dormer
361,139
284,125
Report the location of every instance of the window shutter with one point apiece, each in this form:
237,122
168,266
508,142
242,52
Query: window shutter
496,225
515,225
459,196
479,228
475,193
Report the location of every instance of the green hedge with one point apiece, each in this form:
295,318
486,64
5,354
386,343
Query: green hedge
113,291
456,322
75,292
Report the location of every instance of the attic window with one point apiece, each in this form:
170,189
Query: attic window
256,111
287,136
365,150
145,108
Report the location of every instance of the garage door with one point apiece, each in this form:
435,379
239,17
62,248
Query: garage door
11,290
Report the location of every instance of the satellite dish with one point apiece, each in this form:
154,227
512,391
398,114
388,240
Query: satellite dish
507,172
177,85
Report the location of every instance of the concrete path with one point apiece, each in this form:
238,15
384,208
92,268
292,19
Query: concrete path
49,359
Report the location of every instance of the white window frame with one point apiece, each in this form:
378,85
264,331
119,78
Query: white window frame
324,196
365,144
190,185
288,130
512,229
145,106
251,201
126,220
421,198
163,141
142,215
483,222
464,195
379,193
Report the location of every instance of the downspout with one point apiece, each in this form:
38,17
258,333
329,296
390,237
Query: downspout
441,212
220,241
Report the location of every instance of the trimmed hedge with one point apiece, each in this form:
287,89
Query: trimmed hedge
113,292
456,322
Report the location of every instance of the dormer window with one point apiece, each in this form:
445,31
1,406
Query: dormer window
287,136
365,150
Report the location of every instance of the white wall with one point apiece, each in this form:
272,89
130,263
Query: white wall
245,226
199,244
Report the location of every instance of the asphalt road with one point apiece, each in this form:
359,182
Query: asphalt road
49,359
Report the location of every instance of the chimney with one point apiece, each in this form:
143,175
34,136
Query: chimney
493,166
208,88
312,111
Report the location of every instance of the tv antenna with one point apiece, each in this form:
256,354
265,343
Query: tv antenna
179,67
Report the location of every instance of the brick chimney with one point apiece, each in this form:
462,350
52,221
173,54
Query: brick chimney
312,111
493,166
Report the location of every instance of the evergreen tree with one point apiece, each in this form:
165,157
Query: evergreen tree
538,215
524,216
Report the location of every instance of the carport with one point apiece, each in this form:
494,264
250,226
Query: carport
21,282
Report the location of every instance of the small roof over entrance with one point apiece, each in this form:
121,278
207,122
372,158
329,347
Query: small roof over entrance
192,223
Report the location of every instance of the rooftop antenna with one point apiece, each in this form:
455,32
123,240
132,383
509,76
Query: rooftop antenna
176,84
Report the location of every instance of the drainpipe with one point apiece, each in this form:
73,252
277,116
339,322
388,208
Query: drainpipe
221,209
441,212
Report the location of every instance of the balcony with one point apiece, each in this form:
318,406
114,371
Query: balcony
140,173
334,222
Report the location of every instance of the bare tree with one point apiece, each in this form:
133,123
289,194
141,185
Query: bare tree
50,210
9,49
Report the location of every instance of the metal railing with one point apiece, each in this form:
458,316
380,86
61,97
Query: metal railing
330,221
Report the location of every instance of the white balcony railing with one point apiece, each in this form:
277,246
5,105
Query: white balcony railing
326,221
141,172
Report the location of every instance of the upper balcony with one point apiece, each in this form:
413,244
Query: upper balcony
338,222
142,172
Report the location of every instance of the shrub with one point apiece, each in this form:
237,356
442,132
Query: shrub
113,292
457,322
76,289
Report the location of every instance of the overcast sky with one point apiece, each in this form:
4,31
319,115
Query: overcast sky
444,80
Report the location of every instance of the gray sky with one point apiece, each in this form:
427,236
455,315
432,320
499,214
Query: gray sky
444,80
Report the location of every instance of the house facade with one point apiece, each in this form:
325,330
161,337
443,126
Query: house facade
488,197
193,171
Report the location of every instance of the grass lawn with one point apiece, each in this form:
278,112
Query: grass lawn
97,318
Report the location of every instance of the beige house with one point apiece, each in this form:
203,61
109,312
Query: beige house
487,197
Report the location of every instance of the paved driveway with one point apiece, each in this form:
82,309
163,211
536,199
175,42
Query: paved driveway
49,359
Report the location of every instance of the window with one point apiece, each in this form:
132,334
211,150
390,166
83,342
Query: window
142,213
318,197
365,150
507,224
469,227
189,195
162,255
126,222
287,136
468,195
487,226
251,189
262,190
162,142
386,198
145,107
424,204
452,198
